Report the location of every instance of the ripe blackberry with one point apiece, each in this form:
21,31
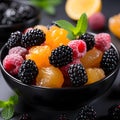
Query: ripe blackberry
77,75
14,39
89,39
25,116
61,56
32,38
109,60
114,112
86,113
28,72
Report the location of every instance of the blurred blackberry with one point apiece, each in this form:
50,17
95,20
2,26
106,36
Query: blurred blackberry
33,37
114,112
86,113
77,75
25,12
25,116
28,72
89,40
62,117
14,39
10,16
61,56
109,60
3,8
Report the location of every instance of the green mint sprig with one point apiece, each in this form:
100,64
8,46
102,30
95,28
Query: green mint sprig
7,107
47,5
74,31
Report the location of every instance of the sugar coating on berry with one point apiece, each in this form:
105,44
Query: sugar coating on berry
79,48
97,21
18,50
103,41
12,63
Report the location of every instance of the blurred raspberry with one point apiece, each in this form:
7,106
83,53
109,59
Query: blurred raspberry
102,41
97,21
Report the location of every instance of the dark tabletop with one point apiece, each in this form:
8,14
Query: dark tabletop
101,105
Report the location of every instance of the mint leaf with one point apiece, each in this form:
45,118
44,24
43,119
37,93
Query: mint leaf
13,99
81,26
2,104
74,31
65,24
7,112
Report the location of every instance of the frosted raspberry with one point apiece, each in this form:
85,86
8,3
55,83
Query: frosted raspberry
79,48
18,50
102,41
12,63
64,70
97,21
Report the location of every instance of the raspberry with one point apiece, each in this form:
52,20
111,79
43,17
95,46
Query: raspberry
102,41
86,112
18,50
77,74
61,56
109,60
12,63
78,47
97,21
28,72
64,70
14,39
89,40
27,30
32,38
25,116
114,112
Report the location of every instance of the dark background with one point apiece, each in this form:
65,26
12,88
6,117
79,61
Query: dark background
101,105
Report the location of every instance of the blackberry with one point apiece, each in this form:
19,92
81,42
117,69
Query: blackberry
10,16
32,38
86,113
14,39
28,72
109,60
114,112
62,117
89,40
25,12
25,116
77,75
61,56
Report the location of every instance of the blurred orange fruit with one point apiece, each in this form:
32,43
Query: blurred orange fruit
75,8
114,25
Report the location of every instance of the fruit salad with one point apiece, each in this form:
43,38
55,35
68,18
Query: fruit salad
47,57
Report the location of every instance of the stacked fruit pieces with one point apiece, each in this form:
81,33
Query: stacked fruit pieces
47,57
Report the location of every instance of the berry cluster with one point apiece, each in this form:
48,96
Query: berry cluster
13,12
41,53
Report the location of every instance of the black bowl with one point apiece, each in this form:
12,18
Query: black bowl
6,30
58,97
